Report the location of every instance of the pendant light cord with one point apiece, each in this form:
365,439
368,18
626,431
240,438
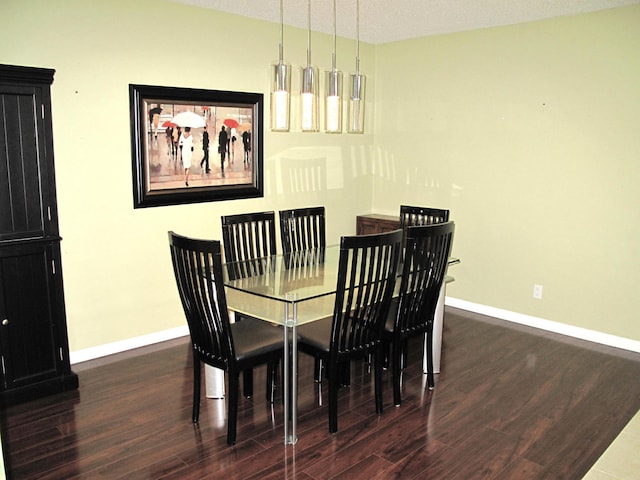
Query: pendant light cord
281,33
333,55
309,34
357,37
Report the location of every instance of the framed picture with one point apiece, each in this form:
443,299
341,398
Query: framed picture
192,145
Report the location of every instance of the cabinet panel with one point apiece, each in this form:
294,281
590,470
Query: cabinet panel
27,318
376,223
23,173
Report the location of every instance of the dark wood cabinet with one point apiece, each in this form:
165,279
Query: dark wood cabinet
34,346
375,223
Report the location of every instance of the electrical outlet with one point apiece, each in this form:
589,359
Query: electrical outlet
537,292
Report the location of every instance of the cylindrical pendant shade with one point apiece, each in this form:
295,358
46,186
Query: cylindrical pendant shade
333,102
357,85
280,97
309,99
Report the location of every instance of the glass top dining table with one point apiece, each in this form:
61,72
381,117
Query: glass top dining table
288,290
265,287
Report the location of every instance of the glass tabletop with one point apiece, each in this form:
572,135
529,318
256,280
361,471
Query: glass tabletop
263,287
295,288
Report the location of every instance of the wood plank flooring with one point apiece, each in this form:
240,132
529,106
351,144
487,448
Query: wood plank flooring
511,403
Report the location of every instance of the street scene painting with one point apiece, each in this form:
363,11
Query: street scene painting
192,145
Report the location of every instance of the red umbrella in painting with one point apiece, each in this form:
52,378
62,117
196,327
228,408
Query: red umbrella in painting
168,123
231,123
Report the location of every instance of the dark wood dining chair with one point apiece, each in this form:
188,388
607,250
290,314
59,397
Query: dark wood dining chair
413,215
302,229
233,347
366,278
412,312
246,238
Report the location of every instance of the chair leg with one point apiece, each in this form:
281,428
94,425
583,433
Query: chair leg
396,366
405,354
430,378
247,376
377,368
195,414
333,399
317,370
232,418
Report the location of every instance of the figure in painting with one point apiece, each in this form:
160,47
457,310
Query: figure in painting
222,146
186,148
205,149
246,143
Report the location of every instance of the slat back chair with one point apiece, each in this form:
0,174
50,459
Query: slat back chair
412,216
302,229
248,236
197,265
423,271
366,278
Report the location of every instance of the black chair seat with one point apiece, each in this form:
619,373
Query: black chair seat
254,338
316,335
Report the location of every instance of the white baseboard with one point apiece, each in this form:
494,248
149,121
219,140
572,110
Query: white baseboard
548,325
127,344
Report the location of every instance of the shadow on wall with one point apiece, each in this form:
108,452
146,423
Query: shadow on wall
303,175
413,179
304,170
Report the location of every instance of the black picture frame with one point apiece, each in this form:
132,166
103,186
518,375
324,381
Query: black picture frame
159,176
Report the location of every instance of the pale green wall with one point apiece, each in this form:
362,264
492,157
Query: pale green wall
530,134
118,279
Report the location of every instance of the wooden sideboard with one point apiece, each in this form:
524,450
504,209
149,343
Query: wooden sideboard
376,223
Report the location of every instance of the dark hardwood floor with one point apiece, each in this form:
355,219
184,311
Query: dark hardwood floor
511,403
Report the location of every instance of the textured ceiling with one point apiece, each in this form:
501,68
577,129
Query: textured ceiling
383,21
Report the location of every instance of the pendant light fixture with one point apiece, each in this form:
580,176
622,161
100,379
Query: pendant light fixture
333,90
309,87
356,87
280,88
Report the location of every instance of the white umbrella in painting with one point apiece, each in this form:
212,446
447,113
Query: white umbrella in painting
189,119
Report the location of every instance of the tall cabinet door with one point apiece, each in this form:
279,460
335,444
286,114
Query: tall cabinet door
34,349
27,329
25,195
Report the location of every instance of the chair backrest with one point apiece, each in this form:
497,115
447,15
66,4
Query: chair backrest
366,279
425,264
197,265
302,229
412,216
247,237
